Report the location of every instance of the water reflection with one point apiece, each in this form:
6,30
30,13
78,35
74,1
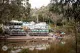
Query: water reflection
16,46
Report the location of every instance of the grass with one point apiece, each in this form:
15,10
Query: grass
56,48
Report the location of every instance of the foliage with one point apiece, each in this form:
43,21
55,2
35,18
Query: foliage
69,8
71,12
24,51
13,10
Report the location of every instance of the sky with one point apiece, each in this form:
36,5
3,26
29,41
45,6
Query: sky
38,3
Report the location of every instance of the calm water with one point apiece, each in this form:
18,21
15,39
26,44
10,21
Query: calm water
17,45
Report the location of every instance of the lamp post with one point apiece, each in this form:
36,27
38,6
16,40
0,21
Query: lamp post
37,18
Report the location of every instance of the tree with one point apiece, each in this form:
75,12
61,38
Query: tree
71,11
13,9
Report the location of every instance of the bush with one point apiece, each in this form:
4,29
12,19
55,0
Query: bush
24,51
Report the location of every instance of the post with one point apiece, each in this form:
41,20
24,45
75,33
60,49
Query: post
37,18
